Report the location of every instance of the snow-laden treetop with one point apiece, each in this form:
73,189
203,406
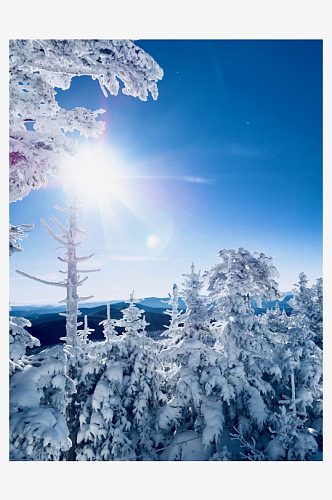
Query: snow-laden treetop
59,60
242,272
38,66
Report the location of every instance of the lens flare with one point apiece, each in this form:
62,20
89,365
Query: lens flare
153,241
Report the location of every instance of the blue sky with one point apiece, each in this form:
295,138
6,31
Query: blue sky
229,155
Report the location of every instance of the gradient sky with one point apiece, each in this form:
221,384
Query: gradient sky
229,155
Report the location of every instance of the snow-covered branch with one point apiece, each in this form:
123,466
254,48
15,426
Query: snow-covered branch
36,68
59,283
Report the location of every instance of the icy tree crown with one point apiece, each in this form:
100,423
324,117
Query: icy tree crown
242,272
36,68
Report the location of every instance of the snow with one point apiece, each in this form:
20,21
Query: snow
34,74
193,450
114,371
254,394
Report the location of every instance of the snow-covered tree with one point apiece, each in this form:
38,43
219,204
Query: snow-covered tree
302,303
83,334
317,318
68,240
302,359
174,313
301,363
276,321
19,340
290,439
36,67
247,346
196,407
117,421
109,325
196,319
300,389
307,304
38,395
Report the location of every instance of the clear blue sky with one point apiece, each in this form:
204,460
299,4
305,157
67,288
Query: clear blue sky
229,155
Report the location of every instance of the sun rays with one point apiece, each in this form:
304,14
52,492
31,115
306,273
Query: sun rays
136,217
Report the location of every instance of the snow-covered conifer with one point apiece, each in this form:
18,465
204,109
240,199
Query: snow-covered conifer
109,324
19,340
83,334
276,321
118,419
317,318
301,359
174,313
246,345
201,391
38,394
196,319
302,304
290,439
301,363
251,452
197,405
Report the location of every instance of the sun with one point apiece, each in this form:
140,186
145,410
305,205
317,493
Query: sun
94,173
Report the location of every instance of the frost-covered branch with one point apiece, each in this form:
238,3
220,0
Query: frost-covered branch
54,236
17,233
38,66
59,283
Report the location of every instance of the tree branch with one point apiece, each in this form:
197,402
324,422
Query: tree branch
81,259
61,284
85,298
86,270
57,223
51,233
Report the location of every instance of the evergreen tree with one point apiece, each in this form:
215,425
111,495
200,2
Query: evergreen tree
197,402
83,334
276,321
109,325
38,398
302,304
301,386
174,313
317,317
247,346
301,363
118,420
290,440
19,340
302,358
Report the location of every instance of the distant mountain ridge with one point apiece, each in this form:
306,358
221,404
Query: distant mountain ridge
151,304
48,326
